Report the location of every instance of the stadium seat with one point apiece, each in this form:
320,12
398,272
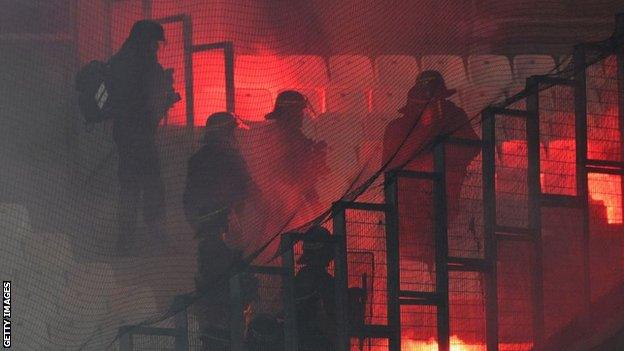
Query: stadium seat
307,71
388,99
396,70
208,69
261,72
490,78
250,104
347,101
451,67
475,98
489,71
525,66
353,71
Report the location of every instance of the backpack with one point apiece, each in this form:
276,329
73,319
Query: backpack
92,84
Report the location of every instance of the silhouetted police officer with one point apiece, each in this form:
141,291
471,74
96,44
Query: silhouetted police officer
141,93
314,293
427,115
303,160
217,183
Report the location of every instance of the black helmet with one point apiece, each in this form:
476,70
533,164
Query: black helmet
221,120
429,84
316,245
147,30
287,100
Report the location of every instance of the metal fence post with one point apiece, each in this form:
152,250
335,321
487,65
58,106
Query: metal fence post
580,107
181,326
229,76
237,320
441,243
488,128
619,54
290,321
187,34
341,276
392,254
534,192
125,339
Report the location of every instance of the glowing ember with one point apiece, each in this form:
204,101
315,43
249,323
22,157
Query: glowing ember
431,345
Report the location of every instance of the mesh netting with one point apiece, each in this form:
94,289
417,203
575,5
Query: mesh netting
60,195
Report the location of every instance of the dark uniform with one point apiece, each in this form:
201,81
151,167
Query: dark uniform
142,93
303,160
427,115
315,293
217,181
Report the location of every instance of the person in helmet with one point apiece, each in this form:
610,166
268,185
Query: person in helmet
408,140
141,93
265,333
217,183
303,160
314,292
218,179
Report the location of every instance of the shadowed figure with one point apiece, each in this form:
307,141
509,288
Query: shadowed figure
217,183
427,115
142,93
314,293
302,159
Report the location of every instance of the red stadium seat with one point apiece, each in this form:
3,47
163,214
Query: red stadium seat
388,99
528,65
490,78
489,71
354,71
396,70
250,104
261,72
347,101
306,71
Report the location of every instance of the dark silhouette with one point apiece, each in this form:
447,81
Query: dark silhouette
217,183
265,333
427,115
314,293
303,160
141,93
